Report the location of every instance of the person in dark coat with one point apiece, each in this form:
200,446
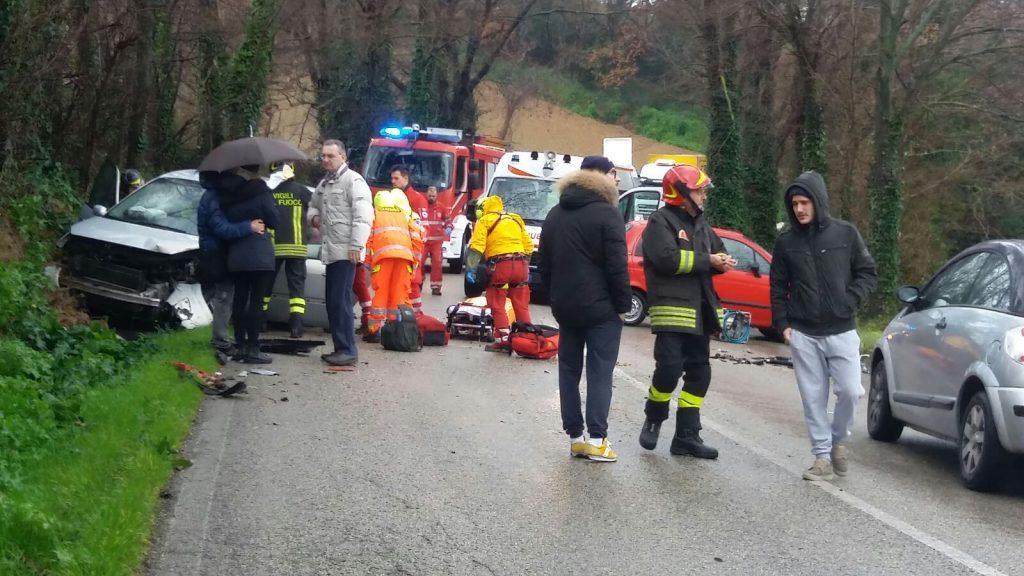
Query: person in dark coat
244,196
215,232
681,253
582,264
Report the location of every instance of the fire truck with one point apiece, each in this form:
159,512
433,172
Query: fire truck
460,165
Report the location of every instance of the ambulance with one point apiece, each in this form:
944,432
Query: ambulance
525,181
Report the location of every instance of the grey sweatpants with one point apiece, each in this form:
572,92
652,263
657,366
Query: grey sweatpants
815,360
220,297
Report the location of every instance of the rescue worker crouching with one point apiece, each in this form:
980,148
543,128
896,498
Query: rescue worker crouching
290,237
500,238
393,251
681,252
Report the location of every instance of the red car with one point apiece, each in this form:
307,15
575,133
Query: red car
746,288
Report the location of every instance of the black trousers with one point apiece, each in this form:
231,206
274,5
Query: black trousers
677,354
247,310
295,274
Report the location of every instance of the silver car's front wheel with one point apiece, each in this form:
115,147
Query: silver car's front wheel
981,454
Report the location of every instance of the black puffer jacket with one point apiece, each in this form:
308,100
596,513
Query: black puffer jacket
677,265
821,272
244,200
582,254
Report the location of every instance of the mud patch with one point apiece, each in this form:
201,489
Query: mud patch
67,308
12,248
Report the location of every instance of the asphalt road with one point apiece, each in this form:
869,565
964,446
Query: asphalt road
452,461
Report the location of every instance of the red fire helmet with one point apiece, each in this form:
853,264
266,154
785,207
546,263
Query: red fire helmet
680,180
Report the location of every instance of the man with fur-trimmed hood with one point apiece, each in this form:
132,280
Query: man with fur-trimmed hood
582,264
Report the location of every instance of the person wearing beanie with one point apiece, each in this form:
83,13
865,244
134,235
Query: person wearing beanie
821,274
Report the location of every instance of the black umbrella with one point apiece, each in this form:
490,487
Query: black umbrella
252,151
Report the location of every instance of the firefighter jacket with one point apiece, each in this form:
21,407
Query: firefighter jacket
291,234
434,219
508,235
395,232
677,249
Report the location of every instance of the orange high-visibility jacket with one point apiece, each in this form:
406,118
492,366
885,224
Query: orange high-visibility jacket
394,235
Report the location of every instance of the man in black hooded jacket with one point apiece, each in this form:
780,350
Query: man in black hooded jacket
821,272
582,265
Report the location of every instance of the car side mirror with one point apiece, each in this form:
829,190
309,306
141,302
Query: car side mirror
474,181
471,210
99,210
908,294
475,165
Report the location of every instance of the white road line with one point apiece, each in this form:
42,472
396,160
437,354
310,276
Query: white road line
884,517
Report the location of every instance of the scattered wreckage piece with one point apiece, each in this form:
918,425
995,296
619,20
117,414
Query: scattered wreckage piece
754,360
212,384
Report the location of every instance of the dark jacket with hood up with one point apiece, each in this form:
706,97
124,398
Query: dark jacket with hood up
820,272
244,200
582,253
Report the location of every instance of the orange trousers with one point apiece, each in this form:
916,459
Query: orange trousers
434,250
509,279
391,279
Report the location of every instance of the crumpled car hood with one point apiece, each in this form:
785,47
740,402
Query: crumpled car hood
135,235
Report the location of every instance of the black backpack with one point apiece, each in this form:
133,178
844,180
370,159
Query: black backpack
402,333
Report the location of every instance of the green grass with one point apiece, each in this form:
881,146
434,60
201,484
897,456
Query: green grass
870,330
85,502
635,106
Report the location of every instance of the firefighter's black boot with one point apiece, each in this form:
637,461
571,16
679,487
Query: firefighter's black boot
649,434
687,441
295,324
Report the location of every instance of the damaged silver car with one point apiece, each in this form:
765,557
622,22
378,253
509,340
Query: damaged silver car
127,261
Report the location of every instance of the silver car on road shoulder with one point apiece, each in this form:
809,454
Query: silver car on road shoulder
951,364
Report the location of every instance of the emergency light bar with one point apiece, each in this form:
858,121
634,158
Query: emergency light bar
415,132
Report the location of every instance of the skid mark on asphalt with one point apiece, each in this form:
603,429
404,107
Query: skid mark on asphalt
884,517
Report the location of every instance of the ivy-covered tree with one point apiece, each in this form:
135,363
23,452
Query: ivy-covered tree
246,86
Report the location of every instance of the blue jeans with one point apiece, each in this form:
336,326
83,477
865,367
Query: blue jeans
339,302
602,345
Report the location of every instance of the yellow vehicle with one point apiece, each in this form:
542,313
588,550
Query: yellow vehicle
693,159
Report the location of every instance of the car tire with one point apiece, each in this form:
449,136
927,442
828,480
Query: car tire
771,334
637,311
455,265
881,424
469,289
981,454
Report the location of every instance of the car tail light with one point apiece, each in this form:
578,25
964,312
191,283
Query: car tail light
1015,344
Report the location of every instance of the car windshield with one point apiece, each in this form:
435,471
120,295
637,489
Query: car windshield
531,198
426,167
169,203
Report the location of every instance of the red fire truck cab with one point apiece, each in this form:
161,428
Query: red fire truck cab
459,165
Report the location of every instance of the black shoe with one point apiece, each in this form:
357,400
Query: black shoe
295,325
689,443
340,359
435,291
254,356
649,434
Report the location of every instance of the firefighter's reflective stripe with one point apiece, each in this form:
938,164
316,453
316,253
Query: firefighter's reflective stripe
685,262
721,316
657,396
687,400
292,249
673,316
297,305
266,303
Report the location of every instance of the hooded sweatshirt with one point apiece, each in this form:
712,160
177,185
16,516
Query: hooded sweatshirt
582,254
498,233
821,272
244,200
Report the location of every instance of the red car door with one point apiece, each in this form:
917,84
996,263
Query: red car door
747,287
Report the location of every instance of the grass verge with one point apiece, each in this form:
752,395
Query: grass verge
870,330
86,501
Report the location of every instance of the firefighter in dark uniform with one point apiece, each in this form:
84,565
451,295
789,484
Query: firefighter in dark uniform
681,253
290,239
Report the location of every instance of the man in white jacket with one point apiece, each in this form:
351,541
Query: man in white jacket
342,209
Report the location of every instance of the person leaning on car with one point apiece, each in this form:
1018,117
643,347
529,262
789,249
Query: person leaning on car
821,272
214,233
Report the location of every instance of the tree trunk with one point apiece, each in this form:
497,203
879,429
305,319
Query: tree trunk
142,83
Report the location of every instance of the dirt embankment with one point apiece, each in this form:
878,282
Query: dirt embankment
542,126
534,123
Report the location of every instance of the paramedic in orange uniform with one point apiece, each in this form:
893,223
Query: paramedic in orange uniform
392,250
